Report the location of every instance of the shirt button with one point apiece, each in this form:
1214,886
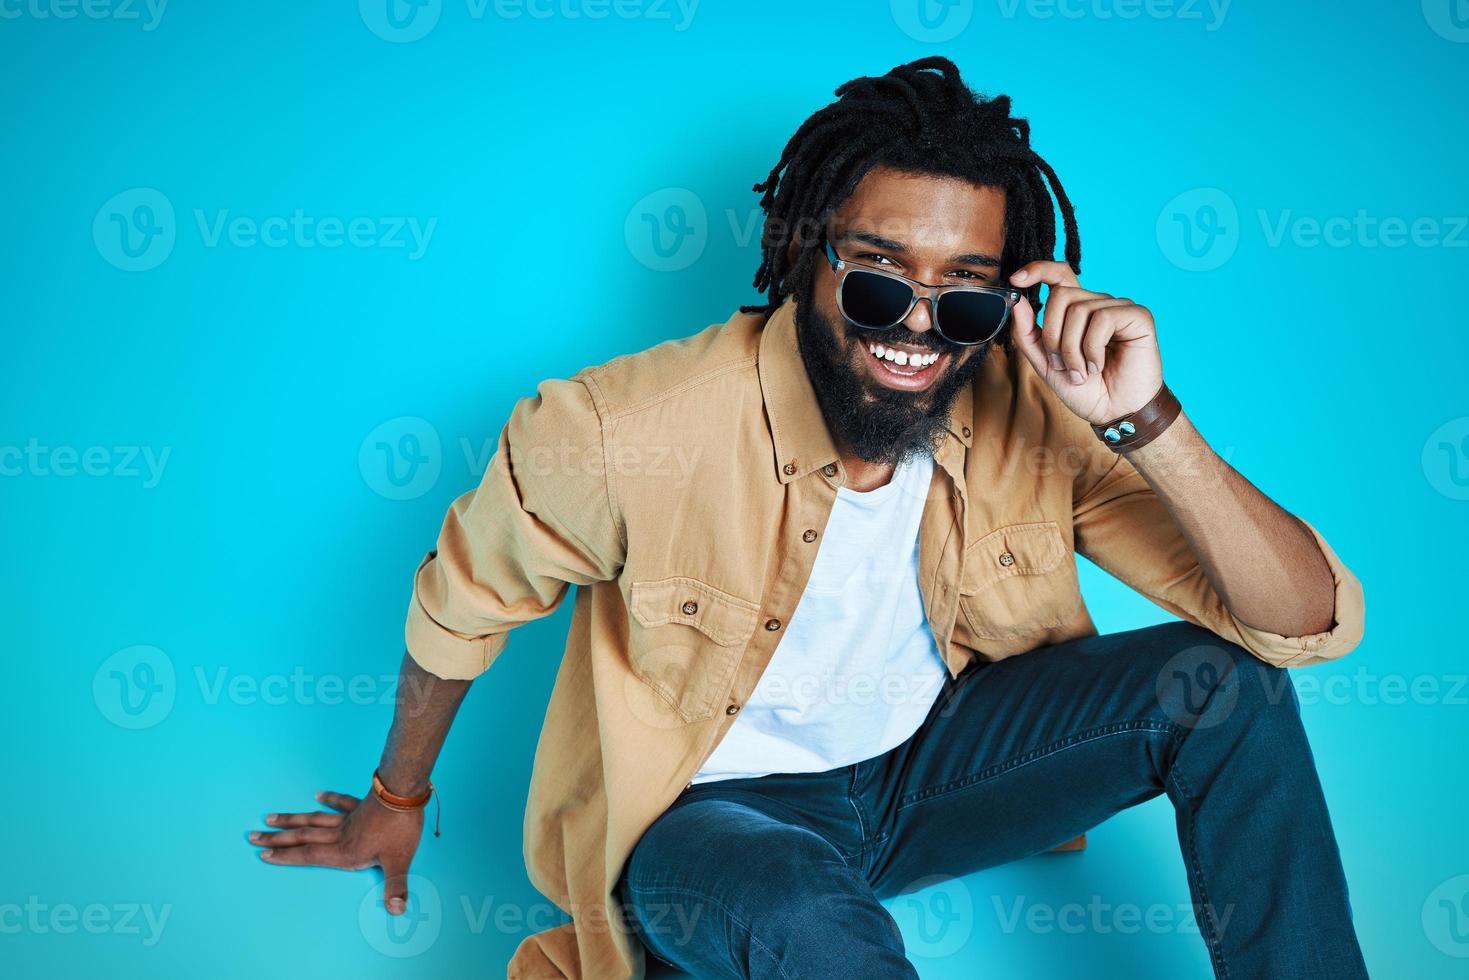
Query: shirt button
1007,559
830,469
690,607
733,709
789,469
966,432
809,536
772,624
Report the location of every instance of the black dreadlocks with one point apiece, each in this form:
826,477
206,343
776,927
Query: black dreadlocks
920,118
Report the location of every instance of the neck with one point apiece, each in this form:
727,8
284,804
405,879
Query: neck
863,476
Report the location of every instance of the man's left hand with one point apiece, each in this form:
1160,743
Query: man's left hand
1097,352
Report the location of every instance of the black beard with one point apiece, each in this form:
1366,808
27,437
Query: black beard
874,423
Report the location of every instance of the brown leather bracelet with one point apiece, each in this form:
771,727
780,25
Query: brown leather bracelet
1136,429
393,801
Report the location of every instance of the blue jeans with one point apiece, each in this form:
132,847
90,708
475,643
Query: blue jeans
779,876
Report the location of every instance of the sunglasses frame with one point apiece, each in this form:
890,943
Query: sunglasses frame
921,291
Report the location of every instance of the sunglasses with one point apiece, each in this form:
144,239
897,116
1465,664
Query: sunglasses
875,299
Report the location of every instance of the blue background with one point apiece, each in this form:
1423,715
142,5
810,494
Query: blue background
271,548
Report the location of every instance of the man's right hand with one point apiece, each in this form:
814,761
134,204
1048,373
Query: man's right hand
361,834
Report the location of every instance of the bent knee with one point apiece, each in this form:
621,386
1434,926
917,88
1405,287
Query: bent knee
1208,681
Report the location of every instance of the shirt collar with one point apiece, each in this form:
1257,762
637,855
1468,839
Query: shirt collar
798,431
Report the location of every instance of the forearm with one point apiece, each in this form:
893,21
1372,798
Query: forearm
1263,562
426,706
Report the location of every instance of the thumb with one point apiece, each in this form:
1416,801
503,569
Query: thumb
395,887
1027,338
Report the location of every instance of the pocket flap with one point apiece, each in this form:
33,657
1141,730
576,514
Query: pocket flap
1016,549
727,620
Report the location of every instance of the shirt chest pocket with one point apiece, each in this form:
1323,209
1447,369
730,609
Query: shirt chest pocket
1019,579
686,641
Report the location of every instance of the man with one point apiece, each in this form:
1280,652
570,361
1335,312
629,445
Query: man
841,647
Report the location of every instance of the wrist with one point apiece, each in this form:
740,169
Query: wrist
401,797
1131,431
401,803
401,777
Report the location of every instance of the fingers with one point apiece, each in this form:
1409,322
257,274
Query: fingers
1063,353
395,885
301,835
1079,331
338,801
1085,333
312,855
1026,337
319,818
1050,273
1053,325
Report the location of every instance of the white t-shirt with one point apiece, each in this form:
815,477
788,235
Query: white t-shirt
858,669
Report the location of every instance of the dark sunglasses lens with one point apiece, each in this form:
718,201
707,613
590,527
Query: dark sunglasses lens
969,318
873,301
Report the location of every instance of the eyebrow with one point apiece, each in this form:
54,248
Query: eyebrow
963,258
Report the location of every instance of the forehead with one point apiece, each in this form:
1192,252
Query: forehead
925,211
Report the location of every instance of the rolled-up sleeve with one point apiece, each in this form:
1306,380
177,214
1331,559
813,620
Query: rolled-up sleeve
541,520
1123,526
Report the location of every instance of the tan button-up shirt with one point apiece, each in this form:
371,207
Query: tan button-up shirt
685,489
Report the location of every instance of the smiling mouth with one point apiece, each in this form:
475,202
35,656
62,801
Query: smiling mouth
904,368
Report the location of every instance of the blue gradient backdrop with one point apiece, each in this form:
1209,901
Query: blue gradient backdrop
207,556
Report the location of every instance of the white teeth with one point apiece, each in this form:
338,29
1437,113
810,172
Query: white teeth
903,358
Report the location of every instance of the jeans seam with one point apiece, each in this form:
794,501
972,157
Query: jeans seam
857,809
754,939
1035,755
1195,869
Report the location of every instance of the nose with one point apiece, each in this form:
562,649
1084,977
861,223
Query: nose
920,318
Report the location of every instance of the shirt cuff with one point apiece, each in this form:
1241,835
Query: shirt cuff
436,648
1348,617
